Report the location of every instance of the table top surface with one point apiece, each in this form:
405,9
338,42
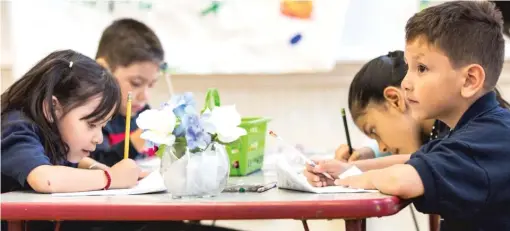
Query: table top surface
272,204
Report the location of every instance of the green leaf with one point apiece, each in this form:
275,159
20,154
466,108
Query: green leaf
161,150
180,146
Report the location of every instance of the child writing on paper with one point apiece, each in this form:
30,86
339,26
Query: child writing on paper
465,176
132,52
51,122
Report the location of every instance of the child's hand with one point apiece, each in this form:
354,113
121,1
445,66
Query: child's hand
138,143
143,174
363,181
333,167
342,154
124,174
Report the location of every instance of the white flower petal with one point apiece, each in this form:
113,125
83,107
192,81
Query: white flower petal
209,127
158,138
162,121
145,119
231,135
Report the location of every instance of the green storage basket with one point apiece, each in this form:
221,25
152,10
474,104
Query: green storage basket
246,154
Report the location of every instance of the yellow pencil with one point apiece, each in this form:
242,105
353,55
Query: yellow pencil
128,126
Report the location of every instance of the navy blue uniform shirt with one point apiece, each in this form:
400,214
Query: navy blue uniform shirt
22,151
466,175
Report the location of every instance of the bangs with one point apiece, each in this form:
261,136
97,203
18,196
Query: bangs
109,104
108,107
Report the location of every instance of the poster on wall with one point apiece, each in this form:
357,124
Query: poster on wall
244,37
199,36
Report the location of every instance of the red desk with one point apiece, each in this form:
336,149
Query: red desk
273,204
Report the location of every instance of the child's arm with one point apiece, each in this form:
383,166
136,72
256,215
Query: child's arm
443,179
400,180
23,159
89,163
381,162
50,179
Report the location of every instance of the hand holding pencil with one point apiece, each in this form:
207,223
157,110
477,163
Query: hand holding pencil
126,173
346,153
315,174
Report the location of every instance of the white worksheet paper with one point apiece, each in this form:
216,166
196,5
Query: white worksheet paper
289,178
150,184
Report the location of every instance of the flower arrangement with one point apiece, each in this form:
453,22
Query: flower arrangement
180,125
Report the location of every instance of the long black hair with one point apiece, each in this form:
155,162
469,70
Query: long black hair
73,79
384,71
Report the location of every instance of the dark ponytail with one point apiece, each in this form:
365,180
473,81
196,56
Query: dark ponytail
502,102
369,83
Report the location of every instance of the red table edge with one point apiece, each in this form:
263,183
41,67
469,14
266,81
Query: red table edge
331,209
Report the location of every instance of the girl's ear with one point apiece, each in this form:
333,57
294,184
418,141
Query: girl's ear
56,106
395,98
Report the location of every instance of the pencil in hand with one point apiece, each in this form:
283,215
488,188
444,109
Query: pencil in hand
348,137
128,126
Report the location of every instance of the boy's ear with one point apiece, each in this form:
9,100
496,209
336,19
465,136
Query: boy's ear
395,98
473,81
56,106
101,61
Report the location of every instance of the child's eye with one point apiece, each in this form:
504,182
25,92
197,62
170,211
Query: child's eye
371,132
134,84
91,125
422,68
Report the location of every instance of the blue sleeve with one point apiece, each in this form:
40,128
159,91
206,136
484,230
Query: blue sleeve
22,151
454,182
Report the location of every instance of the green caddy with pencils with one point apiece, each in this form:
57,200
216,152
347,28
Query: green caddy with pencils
246,155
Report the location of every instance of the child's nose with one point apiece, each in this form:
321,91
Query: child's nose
383,147
98,138
143,96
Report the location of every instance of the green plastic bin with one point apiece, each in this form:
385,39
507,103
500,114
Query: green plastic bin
246,154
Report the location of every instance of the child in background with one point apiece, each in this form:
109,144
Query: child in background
455,53
132,52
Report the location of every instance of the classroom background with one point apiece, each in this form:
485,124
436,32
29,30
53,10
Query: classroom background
293,69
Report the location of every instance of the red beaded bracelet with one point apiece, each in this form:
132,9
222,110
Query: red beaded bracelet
108,180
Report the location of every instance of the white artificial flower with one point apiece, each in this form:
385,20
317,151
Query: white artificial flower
157,126
226,121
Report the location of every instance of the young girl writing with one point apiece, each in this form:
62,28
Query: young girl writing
52,119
